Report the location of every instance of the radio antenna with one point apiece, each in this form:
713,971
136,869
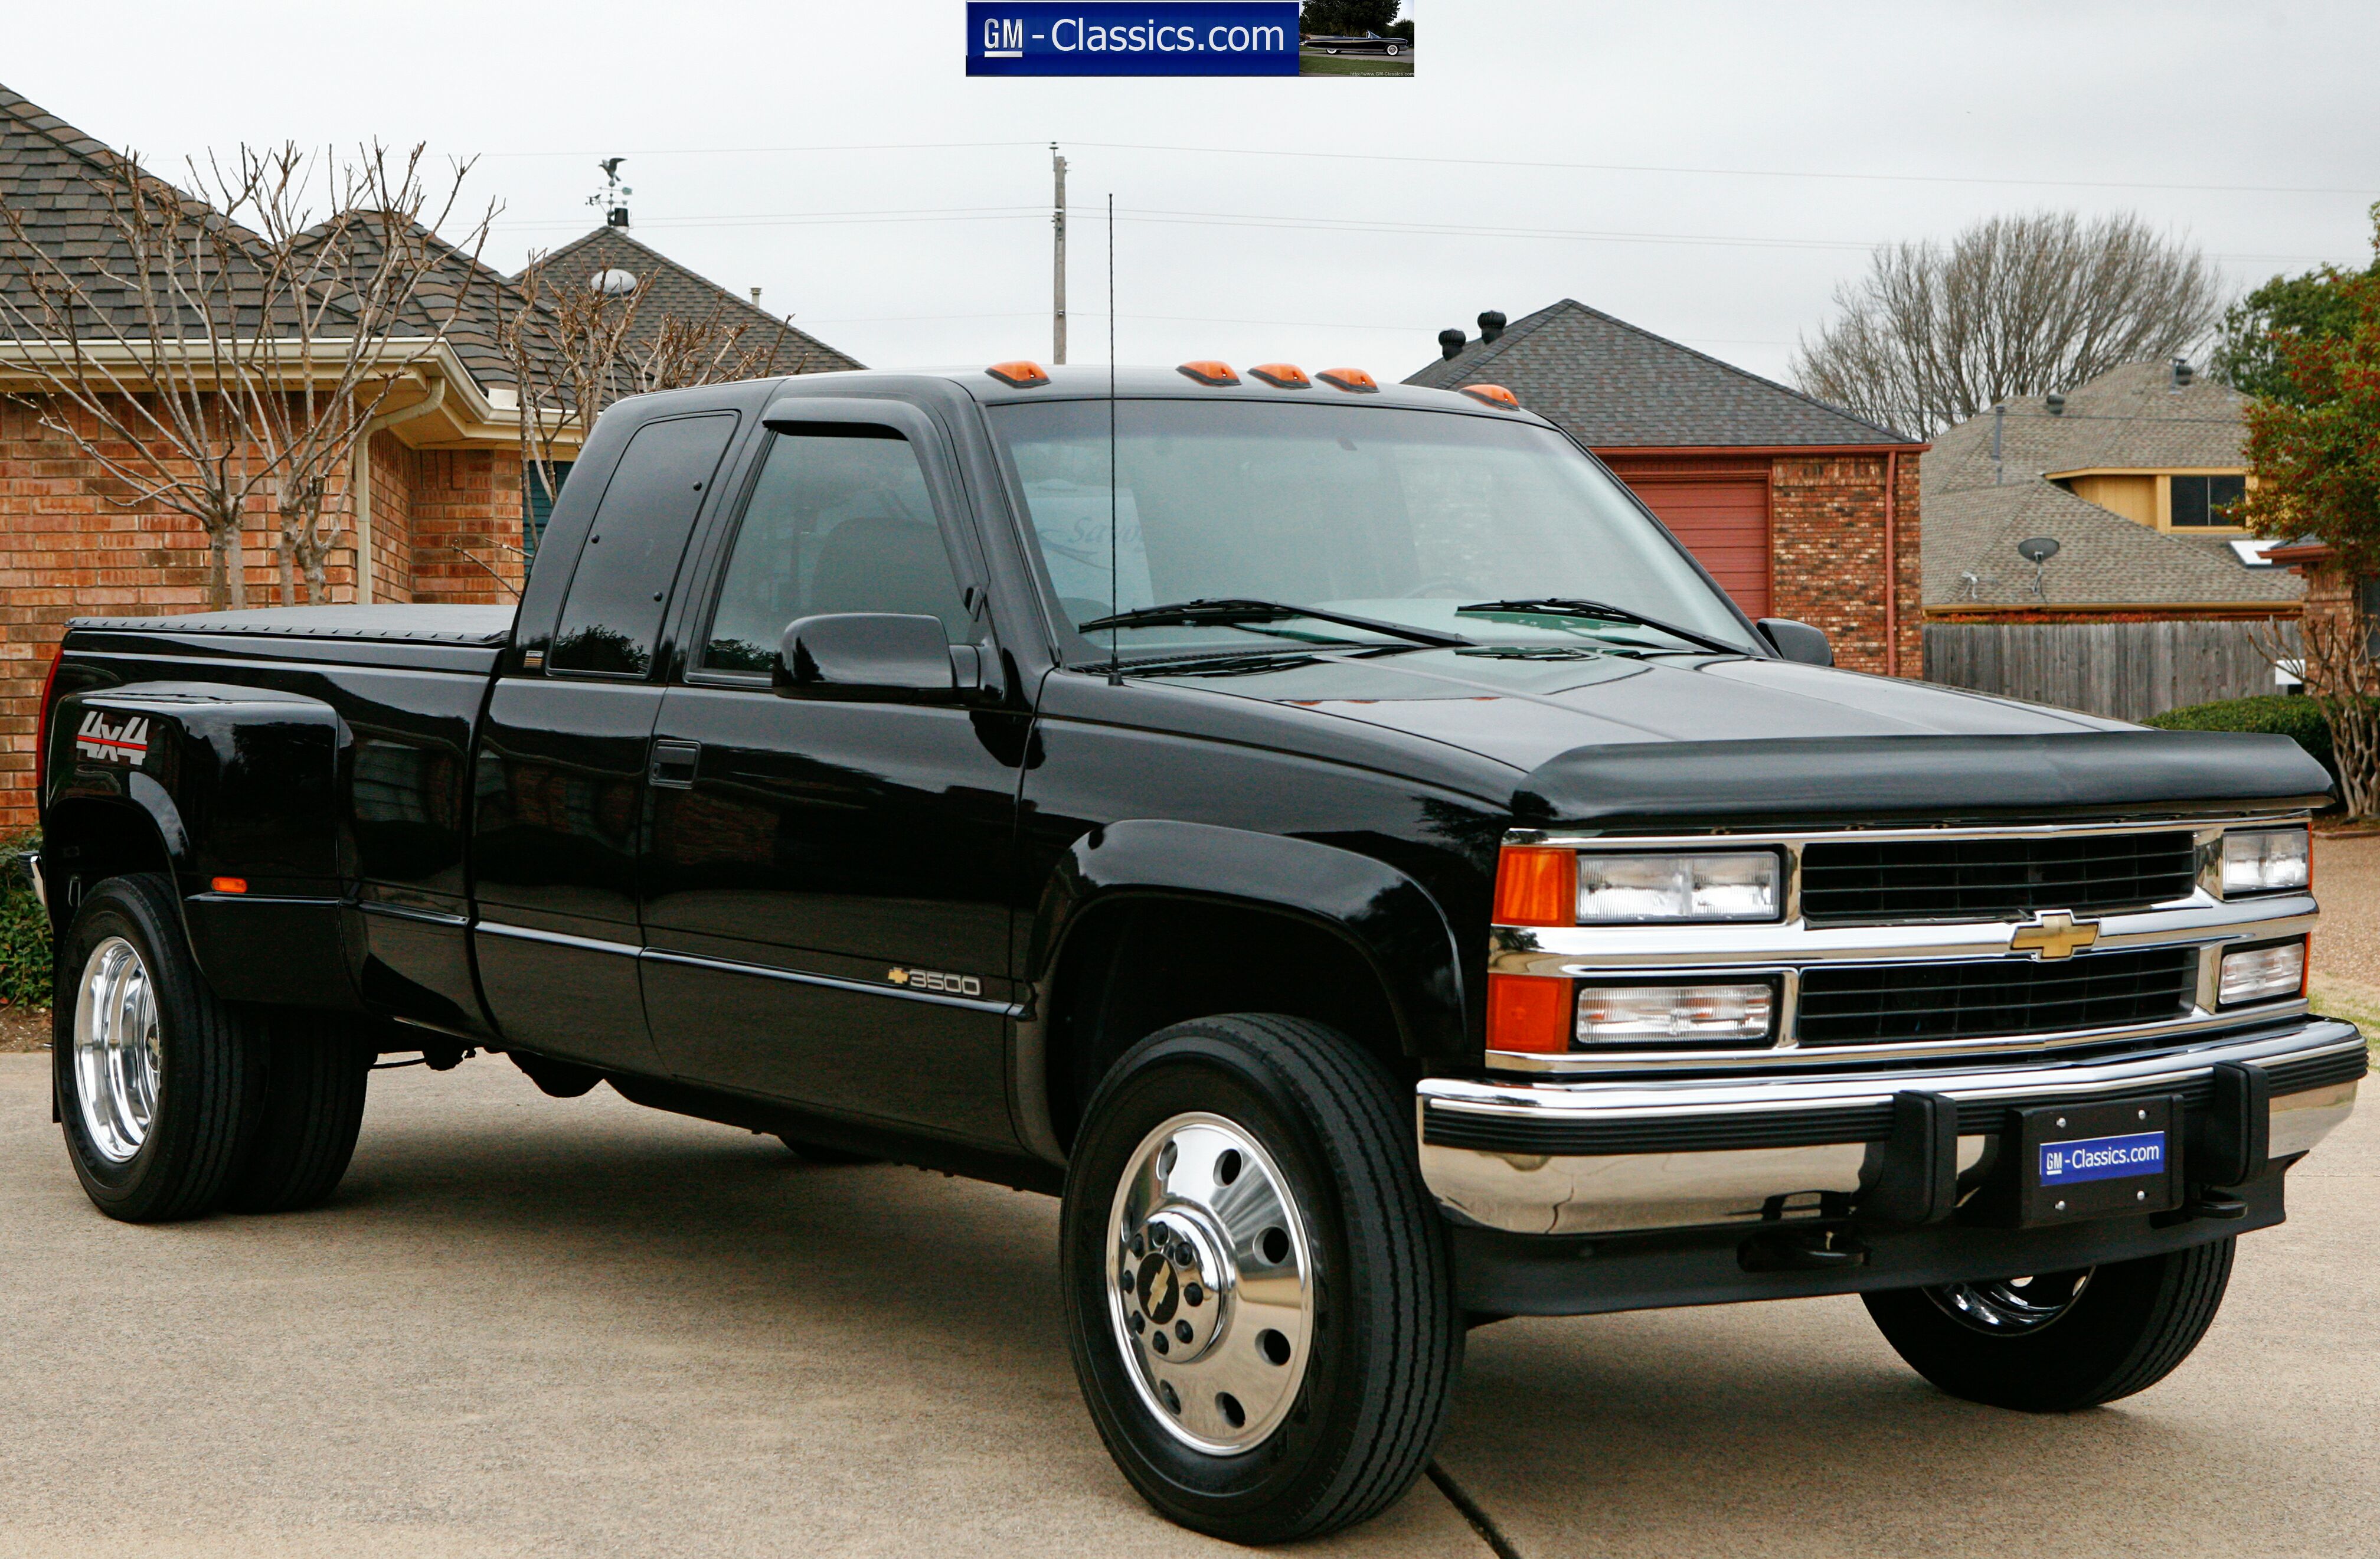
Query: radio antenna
1115,604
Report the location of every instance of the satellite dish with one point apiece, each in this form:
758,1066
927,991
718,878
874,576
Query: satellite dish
2037,551
619,284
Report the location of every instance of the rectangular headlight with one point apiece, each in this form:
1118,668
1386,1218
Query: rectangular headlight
1664,1014
2259,974
1614,889
2263,860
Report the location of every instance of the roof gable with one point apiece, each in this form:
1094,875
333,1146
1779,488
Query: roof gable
1613,385
688,295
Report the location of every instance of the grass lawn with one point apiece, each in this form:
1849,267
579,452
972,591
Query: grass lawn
1353,64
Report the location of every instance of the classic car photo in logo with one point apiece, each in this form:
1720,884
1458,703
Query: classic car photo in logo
122,739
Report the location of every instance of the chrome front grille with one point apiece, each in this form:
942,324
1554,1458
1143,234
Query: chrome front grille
1874,1004
1923,945
1967,879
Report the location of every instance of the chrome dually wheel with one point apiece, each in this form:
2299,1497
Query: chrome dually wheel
119,1057
1212,1302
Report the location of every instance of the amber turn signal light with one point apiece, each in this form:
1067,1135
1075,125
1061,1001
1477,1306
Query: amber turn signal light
1353,380
1021,374
231,884
1206,371
1283,375
1536,887
1494,395
1529,1012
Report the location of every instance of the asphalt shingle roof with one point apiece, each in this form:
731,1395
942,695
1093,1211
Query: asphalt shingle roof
2128,418
692,297
1616,386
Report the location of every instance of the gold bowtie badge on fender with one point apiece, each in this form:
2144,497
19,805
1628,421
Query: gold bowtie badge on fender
2054,934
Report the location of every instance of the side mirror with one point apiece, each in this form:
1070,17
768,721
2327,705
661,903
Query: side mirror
1798,642
876,656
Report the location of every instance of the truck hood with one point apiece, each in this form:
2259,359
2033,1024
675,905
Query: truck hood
1600,737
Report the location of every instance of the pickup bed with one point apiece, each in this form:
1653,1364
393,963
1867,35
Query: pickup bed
1332,835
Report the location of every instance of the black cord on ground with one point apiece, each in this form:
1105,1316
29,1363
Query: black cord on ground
1481,1522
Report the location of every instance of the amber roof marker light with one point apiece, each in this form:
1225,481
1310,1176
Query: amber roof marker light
1354,381
1206,371
1020,374
1494,395
1283,375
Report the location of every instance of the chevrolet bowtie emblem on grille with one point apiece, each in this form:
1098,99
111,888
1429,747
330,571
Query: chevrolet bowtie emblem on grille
2054,934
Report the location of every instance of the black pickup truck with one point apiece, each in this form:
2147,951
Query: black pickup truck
1331,834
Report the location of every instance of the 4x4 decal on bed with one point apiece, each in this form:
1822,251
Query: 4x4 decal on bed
125,742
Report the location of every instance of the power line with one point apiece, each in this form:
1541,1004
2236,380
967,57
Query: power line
1263,220
1664,168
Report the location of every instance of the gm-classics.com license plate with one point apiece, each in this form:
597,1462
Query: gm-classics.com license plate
2098,1161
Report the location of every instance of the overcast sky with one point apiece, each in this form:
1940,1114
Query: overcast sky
1736,157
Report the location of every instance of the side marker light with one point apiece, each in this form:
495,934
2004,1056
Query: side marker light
230,885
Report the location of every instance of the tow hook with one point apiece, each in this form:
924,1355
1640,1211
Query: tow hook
1802,1250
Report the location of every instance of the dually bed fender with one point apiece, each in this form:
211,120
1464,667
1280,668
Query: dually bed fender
1390,921
235,792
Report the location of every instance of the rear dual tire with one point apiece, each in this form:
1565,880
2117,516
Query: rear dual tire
174,1103
1258,1288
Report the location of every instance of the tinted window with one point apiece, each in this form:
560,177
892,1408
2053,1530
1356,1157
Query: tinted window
2201,501
840,521
614,611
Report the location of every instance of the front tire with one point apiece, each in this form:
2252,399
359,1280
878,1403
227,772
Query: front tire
1280,1364
157,1081
2063,1341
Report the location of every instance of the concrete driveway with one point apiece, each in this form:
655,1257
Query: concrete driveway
533,1326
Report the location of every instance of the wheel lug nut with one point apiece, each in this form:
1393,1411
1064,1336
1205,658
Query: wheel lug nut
1123,1280
1182,1330
1138,1320
1193,1296
1157,1340
1139,1244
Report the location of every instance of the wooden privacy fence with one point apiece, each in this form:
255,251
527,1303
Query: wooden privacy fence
2127,671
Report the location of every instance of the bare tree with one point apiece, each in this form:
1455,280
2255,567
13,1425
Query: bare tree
579,343
2333,655
1934,334
222,352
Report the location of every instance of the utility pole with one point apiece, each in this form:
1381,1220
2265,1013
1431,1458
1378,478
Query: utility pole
1058,263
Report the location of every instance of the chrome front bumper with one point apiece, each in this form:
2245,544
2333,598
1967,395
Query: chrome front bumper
1608,1157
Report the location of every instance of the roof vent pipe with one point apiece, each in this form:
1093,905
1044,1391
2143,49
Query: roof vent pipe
2055,403
1449,343
1492,324
2182,373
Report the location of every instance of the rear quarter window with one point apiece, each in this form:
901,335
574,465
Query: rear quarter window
612,612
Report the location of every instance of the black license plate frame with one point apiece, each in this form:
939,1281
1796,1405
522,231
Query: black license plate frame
2037,1142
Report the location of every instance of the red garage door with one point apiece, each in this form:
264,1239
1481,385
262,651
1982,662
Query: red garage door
1723,520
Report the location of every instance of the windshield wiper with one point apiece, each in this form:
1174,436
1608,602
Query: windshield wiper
1562,607
1230,610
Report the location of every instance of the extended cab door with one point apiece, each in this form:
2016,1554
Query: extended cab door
559,782
824,901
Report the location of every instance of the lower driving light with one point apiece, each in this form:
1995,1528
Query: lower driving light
1661,1014
2259,974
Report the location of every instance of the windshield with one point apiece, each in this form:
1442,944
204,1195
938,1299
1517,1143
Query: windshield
1406,517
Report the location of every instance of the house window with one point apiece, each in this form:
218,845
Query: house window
536,507
2199,501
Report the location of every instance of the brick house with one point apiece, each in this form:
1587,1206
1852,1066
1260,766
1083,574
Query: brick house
1798,509
435,501
2128,474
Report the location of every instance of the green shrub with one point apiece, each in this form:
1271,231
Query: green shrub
2277,715
24,930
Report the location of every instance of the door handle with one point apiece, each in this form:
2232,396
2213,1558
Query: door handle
675,764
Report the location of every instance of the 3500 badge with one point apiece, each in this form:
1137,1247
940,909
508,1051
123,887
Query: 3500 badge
937,981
